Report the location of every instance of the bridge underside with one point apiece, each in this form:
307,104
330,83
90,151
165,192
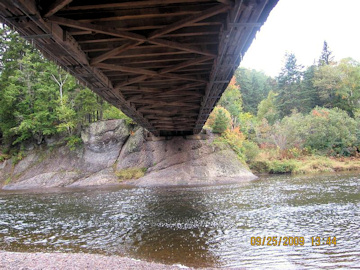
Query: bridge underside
164,63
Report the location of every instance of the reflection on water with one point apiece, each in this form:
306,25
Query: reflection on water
194,226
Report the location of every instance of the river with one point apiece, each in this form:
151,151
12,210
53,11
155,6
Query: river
209,226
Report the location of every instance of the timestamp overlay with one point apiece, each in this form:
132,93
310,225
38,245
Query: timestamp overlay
280,222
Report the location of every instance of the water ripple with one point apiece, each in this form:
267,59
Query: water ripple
194,226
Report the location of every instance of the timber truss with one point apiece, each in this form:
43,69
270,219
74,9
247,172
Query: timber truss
164,63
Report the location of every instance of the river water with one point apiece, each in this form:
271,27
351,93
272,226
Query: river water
195,226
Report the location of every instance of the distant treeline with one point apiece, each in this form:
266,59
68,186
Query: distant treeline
303,110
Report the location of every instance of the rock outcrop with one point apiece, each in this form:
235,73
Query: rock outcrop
109,147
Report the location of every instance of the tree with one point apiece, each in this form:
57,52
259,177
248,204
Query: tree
222,122
254,87
339,85
267,108
326,57
231,100
309,96
289,81
219,120
37,98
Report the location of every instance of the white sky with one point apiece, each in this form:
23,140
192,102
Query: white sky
301,26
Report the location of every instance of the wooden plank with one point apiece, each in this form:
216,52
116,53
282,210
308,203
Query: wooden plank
127,69
133,4
56,6
97,28
226,2
128,35
187,21
186,64
182,77
114,52
175,45
138,16
131,81
162,73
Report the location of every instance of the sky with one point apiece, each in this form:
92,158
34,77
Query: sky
300,27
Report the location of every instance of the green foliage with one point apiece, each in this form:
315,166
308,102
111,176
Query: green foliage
4,157
114,113
235,139
251,150
267,108
289,81
254,87
131,173
282,166
219,120
327,131
222,122
231,100
39,99
274,166
66,116
339,85
330,130
18,157
7,181
73,142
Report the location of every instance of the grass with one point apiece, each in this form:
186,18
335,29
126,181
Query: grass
4,157
270,162
130,173
7,181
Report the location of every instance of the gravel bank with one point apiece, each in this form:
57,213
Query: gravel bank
69,261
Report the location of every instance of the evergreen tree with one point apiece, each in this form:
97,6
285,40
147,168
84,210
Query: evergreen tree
309,96
222,122
289,89
254,87
37,98
326,57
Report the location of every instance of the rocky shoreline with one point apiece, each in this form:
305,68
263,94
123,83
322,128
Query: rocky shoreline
72,261
110,147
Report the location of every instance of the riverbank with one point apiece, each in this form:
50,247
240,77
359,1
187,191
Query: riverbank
311,164
72,261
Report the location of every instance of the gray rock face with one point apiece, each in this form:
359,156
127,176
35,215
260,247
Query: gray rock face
184,162
103,136
109,147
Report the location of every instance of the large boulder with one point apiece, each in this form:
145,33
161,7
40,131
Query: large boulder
181,161
59,167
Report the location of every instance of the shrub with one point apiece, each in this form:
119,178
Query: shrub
114,113
219,120
234,138
259,166
4,157
18,157
323,131
73,142
331,131
251,150
282,166
131,173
